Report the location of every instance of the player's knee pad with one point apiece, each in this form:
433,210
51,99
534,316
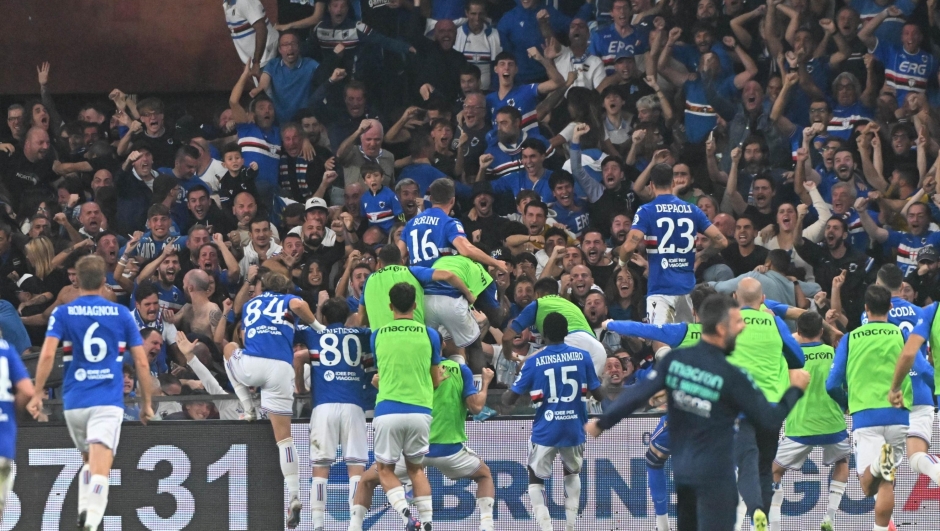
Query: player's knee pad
655,461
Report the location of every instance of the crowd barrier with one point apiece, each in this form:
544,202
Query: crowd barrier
219,475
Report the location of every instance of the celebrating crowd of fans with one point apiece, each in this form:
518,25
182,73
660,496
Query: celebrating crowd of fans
805,131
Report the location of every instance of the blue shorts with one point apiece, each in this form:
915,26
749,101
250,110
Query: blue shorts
488,299
659,439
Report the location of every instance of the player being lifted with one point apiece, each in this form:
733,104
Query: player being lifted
558,379
408,357
16,389
432,234
816,420
337,357
668,227
94,334
267,362
448,451
580,333
864,362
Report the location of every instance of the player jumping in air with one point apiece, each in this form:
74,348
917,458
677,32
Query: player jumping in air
267,361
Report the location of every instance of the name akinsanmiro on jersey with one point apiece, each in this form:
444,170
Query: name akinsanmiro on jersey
558,358
93,311
669,207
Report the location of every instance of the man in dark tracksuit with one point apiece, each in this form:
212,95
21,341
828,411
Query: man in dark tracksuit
706,394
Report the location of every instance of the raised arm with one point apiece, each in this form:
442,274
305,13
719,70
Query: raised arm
784,125
879,234
239,114
231,263
344,148
555,81
867,33
733,198
593,188
738,22
312,20
750,67
870,153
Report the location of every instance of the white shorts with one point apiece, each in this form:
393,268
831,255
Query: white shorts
662,309
333,425
401,433
541,458
585,341
96,424
921,423
462,464
453,314
868,442
274,377
792,455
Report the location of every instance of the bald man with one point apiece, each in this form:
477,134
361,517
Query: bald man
27,173
766,351
440,64
200,316
725,224
370,134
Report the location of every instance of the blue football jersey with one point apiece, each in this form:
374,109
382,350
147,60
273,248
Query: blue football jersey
431,234
907,246
12,372
558,380
380,209
95,333
575,220
340,358
669,226
906,72
269,327
525,98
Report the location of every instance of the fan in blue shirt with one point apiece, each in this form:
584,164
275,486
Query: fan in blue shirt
379,204
570,211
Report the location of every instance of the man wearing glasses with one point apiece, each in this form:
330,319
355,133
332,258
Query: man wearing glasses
15,123
153,134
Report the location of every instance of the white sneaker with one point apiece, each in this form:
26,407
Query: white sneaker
886,462
293,514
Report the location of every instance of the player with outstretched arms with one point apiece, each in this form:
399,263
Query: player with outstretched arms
706,397
94,333
815,421
859,382
558,379
448,451
408,357
337,357
675,335
668,226
267,362
16,389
